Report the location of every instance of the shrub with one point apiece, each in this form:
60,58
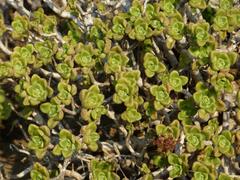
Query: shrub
120,89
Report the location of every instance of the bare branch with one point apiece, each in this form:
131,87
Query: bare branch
64,14
18,5
4,48
74,174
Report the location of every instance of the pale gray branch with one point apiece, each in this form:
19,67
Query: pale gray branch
4,48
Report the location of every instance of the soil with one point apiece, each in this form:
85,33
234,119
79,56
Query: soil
12,162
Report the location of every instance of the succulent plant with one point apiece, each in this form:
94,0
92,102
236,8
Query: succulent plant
200,32
54,112
45,51
96,85
39,172
5,69
66,70
223,143
140,30
152,65
157,23
195,138
222,60
66,92
168,7
225,4
176,27
148,175
224,176
173,130
20,25
161,95
206,100
116,60
177,165
233,16
201,4
135,10
66,51
131,115
90,136
93,114
176,82
43,23
221,21
119,26
19,67
208,159
91,98
40,139
187,109
5,108
126,88
98,30
222,82
68,144
201,171
85,56
102,170
34,90
211,128
151,10
20,58
202,53
226,21
25,53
